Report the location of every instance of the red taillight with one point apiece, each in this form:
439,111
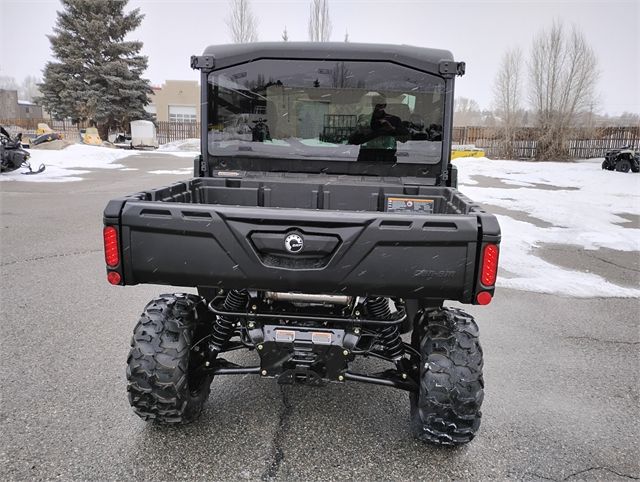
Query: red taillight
114,277
489,265
111,253
483,298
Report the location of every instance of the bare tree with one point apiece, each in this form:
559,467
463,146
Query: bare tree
285,35
563,72
8,83
341,76
627,119
319,21
466,112
507,92
29,88
241,22
346,36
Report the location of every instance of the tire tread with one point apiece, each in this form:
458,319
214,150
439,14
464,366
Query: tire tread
158,362
446,411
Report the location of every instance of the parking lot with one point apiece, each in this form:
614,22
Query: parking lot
561,373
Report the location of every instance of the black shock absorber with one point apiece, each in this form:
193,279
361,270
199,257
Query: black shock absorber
223,327
378,309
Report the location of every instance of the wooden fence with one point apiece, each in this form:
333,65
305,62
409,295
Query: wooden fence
582,144
28,127
166,131
177,131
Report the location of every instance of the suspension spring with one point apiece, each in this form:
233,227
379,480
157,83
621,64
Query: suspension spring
390,339
223,327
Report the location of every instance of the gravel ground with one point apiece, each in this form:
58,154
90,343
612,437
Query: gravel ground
561,375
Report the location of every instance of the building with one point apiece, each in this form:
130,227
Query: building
176,101
29,110
12,108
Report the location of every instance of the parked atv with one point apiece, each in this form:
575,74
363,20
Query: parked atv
622,160
12,155
260,132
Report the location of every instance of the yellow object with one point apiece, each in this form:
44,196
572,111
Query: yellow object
466,151
91,136
43,129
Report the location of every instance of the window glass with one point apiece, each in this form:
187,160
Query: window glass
341,111
182,113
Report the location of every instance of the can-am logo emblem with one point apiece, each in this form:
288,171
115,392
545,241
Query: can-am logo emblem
294,243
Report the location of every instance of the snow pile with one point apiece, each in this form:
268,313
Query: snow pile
183,171
182,148
579,201
68,164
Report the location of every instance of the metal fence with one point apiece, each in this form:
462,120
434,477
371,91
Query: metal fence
582,143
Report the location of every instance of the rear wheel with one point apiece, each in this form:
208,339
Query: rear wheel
623,165
446,409
166,383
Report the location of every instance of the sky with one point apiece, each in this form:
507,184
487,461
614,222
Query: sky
476,31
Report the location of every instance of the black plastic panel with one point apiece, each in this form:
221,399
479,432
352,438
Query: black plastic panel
200,245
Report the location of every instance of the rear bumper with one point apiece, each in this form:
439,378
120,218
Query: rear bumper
375,253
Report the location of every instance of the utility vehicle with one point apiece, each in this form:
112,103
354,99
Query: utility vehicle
624,159
320,232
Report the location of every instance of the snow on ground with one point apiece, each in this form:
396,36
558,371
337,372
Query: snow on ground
184,171
182,145
68,164
183,148
578,203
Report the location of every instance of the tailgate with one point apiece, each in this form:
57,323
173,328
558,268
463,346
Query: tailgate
389,254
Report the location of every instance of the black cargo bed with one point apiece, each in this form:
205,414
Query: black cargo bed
342,193
221,232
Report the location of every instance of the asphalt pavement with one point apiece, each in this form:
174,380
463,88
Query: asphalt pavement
562,375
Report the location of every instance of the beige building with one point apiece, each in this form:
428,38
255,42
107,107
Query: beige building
176,101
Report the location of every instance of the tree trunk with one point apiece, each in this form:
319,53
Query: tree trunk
103,130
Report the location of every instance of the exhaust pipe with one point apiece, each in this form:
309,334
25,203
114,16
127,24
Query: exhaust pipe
308,298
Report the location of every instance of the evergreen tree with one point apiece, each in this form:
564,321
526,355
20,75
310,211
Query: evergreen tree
97,75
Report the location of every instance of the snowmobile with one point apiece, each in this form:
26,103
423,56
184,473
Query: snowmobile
48,137
12,155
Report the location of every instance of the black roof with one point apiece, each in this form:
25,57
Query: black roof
417,57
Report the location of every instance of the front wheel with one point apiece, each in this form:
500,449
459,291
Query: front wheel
166,383
623,165
446,409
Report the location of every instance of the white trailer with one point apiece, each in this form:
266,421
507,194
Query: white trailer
143,135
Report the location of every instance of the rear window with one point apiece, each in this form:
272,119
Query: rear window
338,111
